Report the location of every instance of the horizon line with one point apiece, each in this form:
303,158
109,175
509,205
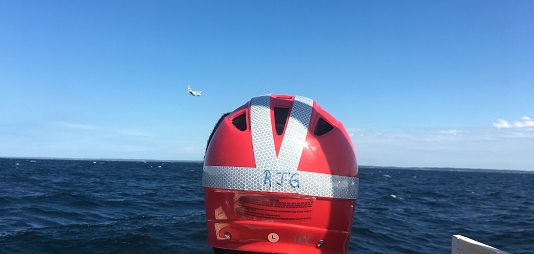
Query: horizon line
199,161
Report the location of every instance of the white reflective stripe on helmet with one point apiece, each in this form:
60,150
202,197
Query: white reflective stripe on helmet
262,132
294,136
283,181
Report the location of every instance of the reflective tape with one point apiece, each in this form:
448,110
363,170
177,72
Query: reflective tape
282,181
262,132
294,136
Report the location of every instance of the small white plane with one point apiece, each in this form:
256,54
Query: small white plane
194,93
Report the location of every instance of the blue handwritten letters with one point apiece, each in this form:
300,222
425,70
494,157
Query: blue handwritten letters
281,178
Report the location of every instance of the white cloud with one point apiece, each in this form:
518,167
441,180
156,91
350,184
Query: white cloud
450,132
524,122
471,148
124,132
78,126
136,133
501,123
355,131
188,148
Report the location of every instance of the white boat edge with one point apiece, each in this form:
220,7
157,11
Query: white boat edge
464,245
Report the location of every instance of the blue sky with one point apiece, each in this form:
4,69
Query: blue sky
416,83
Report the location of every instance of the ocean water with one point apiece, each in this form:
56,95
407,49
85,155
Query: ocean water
86,206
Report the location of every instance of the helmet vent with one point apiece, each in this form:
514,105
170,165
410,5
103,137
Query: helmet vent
322,127
240,122
280,119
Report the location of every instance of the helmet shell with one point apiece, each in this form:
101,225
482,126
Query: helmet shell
280,176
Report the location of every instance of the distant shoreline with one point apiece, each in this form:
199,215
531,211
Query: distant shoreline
359,166
97,159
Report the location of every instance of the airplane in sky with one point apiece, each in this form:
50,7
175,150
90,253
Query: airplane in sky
194,93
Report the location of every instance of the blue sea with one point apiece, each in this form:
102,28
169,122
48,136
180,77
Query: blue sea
97,206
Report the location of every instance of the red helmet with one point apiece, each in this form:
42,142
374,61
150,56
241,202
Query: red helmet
280,176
